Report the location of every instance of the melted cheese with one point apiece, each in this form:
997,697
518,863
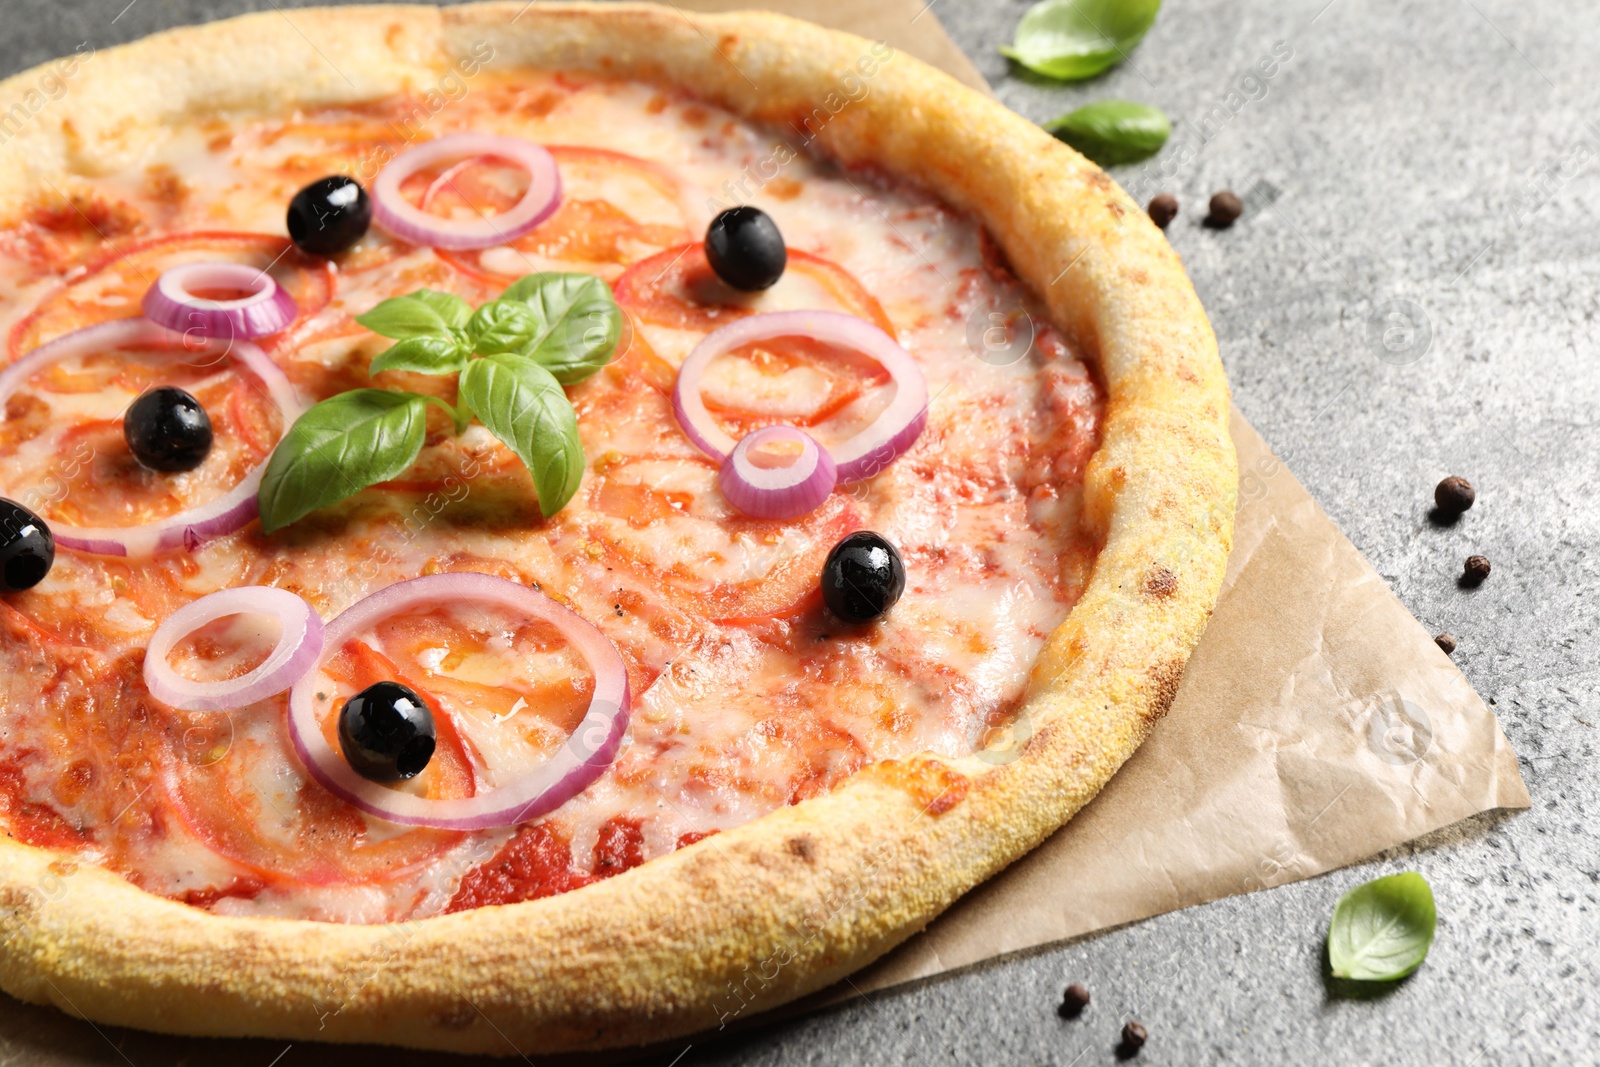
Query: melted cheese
739,707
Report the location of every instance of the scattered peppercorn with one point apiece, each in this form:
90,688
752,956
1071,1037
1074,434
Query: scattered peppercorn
1446,643
1226,208
1454,495
1163,209
1074,1000
1133,1038
1476,570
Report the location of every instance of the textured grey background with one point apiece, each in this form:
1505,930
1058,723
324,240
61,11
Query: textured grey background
1440,152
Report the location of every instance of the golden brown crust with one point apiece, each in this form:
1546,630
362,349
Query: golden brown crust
792,902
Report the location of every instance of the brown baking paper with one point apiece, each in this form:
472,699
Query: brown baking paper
1317,724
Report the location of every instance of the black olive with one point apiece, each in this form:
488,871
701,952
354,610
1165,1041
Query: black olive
746,250
27,548
167,430
863,577
329,215
387,732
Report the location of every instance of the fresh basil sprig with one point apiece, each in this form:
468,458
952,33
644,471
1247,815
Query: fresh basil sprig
1382,930
513,356
524,405
1076,39
1113,131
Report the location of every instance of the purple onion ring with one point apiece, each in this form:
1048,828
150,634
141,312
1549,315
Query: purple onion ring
413,225
785,491
895,429
298,647
588,752
171,302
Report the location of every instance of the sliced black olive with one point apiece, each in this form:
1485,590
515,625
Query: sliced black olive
329,215
386,732
863,577
167,430
746,250
27,548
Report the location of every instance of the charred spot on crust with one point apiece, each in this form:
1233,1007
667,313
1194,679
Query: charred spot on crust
1100,180
1159,582
803,847
1164,681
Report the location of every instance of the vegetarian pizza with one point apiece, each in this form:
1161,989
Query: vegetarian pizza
558,527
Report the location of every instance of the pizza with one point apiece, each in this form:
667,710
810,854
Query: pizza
562,526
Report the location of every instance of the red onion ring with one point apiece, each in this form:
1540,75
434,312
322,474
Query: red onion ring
894,430
777,492
296,651
171,302
587,753
411,224
191,528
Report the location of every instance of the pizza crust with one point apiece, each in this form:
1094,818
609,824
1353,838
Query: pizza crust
794,901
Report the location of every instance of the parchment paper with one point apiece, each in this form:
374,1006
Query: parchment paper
1317,724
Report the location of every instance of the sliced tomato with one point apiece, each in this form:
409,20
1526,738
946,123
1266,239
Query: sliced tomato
450,771
88,477
615,210
734,569
320,839
112,285
675,298
56,236
677,288
314,837
530,686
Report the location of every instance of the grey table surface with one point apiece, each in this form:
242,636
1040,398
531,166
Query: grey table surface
1413,292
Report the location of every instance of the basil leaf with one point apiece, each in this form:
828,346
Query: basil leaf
1382,930
502,326
448,306
1113,131
427,354
422,313
339,447
523,405
579,323
1076,39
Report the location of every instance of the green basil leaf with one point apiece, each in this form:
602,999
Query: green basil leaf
448,306
1113,131
1382,930
1076,39
339,447
423,313
502,326
427,354
579,323
523,405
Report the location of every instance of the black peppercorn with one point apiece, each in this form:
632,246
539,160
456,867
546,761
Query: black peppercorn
1074,1000
1163,209
1476,570
1454,495
1446,643
1226,208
